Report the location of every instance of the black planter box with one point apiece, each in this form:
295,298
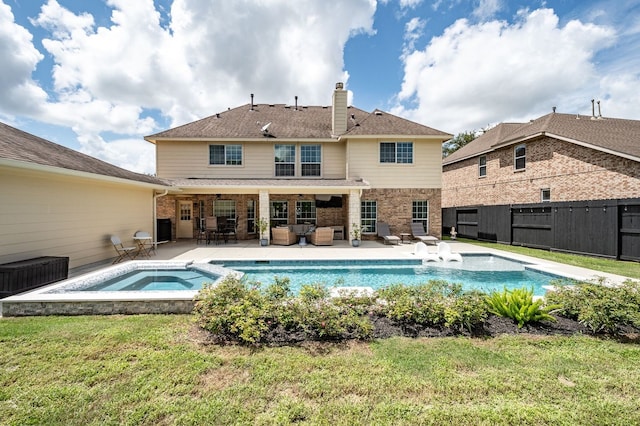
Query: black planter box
16,277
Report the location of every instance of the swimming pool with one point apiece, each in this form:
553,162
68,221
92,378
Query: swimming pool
134,287
484,272
152,280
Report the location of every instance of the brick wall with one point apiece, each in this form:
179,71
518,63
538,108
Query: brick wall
570,171
395,207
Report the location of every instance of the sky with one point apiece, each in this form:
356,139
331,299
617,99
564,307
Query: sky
99,75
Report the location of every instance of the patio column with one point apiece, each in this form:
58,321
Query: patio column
354,211
263,210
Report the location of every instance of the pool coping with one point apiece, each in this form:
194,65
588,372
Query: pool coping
39,302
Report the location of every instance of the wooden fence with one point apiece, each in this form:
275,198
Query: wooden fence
605,228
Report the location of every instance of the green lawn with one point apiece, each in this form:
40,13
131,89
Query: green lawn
156,370
626,269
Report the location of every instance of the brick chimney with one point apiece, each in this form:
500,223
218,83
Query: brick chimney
339,111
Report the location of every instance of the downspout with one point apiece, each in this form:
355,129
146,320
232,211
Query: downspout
155,219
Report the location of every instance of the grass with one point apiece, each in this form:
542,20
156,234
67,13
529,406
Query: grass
618,267
156,370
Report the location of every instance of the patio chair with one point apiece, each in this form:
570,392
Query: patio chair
445,253
283,236
211,229
421,251
122,251
322,236
385,233
417,230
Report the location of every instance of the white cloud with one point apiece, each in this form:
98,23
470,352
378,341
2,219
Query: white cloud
487,8
19,94
410,4
211,56
474,75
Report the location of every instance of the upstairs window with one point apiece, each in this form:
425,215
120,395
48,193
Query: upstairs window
285,160
482,166
310,159
225,155
396,152
520,157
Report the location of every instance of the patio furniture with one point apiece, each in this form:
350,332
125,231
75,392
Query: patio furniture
322,236
129,252
421,251
283,236
445,253
417,230
385,233
144,242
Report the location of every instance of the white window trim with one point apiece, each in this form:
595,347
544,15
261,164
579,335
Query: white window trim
515,158
480,166
226,145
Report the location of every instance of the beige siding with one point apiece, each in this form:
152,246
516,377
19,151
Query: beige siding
53,215
333,161
425,172
191,159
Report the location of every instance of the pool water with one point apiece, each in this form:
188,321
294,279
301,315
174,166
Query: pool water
482,272
154,279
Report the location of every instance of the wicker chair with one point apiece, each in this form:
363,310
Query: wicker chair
322,236
283,236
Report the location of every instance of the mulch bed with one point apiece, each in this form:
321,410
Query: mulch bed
494,326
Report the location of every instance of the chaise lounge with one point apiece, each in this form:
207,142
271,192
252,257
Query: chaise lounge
385,233
418,233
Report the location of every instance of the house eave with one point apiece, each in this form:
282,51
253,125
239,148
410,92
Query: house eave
24,165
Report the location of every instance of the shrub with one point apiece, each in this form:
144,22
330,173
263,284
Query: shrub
518,304
233,310
435,303
599,307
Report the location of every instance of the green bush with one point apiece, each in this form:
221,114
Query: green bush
599,307
435,303
518,304
233,310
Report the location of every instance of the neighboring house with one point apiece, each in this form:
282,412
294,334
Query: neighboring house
325,165
557,157
561,182
55,201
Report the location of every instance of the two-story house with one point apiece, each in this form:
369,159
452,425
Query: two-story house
290,164
557,157
561,182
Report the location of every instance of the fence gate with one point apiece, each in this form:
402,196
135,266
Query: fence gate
629,232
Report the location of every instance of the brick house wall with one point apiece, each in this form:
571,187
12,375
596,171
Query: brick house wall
570,171
394,206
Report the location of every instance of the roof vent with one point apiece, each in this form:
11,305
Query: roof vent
296,98
599,112
251,102
378,112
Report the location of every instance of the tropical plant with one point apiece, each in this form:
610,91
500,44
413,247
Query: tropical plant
518,304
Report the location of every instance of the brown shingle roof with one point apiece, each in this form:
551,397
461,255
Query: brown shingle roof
618,136
22,146
287,122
